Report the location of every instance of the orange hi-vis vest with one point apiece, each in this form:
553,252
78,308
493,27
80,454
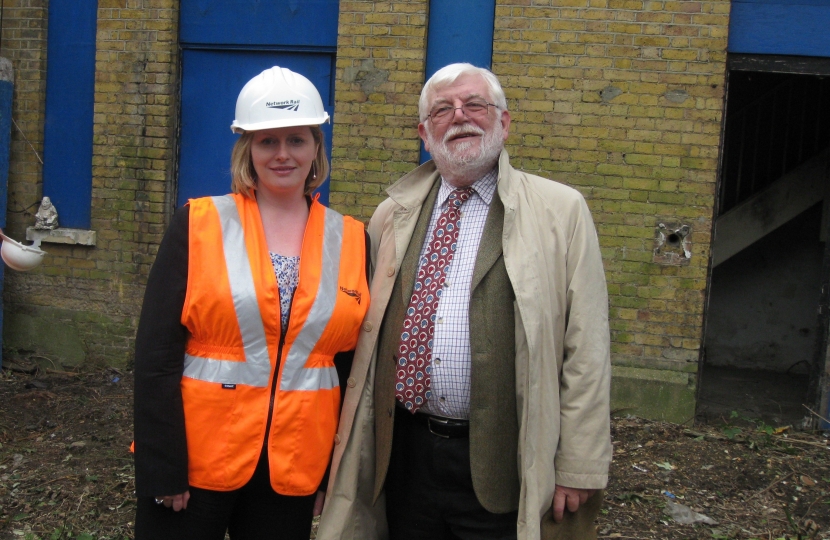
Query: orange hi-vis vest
241,382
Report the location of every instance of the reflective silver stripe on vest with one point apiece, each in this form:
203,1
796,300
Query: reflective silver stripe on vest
294,375
256,368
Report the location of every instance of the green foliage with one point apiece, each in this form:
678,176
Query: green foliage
731,432
630,497
759,435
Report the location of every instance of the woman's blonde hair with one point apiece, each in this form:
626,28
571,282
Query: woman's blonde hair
243,175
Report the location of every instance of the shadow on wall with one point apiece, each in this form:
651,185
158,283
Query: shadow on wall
762,307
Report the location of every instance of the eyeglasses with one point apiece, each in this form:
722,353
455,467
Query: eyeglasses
472,109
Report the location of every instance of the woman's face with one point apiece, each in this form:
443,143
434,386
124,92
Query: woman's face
282,159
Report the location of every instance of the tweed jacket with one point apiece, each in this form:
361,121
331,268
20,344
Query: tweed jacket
494,429
552,256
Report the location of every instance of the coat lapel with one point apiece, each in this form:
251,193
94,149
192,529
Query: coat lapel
489,248
411,250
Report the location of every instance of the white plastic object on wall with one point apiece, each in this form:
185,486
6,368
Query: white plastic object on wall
18,256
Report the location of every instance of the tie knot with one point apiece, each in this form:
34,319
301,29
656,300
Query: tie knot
458,196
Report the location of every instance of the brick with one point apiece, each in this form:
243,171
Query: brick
635,158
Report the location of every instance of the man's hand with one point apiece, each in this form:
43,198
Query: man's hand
176,502
570,498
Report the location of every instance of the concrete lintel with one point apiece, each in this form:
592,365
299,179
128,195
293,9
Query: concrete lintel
62,236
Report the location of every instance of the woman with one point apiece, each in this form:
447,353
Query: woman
250,298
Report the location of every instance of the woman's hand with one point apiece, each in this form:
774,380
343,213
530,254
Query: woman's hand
176,502
318,503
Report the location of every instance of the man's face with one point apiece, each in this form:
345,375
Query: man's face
462,138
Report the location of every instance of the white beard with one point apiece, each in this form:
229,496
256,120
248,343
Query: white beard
459,166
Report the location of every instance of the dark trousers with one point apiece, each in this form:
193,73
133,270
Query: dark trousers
429,489
253,512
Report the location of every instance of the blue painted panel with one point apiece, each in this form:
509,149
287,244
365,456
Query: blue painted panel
785,2
208,104
780,28
70,87
296,23
6,92
459,32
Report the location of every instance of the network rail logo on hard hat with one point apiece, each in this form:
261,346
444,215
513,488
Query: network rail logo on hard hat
287,105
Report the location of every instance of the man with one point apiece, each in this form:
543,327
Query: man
477,404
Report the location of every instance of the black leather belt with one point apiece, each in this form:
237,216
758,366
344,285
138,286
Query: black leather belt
448,428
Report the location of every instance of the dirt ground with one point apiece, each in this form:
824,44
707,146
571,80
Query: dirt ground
66,471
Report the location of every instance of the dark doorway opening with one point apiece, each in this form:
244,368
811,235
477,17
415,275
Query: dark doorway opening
765,339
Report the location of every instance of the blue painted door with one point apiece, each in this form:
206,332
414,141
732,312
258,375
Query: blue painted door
208,104
226,43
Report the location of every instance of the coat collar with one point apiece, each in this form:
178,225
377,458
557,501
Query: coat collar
410,191
507,182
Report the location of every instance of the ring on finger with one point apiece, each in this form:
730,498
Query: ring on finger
159,501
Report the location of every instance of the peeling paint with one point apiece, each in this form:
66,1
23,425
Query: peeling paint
609,92
676,96
366,75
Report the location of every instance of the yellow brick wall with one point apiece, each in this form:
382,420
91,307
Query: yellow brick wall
93,294
380,71
134,132
24,43
621,99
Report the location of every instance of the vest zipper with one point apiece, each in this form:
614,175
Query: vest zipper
273,397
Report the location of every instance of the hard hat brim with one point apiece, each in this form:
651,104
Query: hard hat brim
271,124
19,257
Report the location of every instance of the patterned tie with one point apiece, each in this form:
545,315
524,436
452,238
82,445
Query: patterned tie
412,384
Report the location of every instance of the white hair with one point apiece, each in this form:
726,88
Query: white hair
448,74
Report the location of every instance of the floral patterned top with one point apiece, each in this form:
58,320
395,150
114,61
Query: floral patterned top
287,270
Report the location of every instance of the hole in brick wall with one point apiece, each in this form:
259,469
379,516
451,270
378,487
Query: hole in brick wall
672,244
673,240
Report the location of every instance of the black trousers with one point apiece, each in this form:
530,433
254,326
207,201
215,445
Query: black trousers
253,512
429,489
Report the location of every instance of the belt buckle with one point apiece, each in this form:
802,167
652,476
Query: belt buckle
430,419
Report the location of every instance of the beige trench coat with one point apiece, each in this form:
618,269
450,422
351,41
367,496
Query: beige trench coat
552,256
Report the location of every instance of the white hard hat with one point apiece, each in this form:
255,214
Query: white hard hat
277,98
18,256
